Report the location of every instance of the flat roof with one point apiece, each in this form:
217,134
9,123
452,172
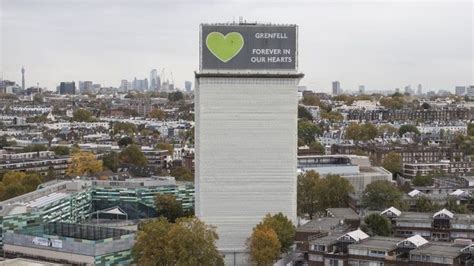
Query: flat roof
345,213
438,249
320,224
377,243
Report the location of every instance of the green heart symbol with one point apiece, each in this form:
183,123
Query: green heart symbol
224,47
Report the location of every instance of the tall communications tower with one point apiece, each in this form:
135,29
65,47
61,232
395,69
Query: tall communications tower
22,78
246,129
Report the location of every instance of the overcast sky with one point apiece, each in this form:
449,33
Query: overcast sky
380,44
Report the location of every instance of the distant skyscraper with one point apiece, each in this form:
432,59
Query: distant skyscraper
188,86
155,82
470,91
419,90
460,90
140,84
408,89
361,89
67,88
124,85
23,78
336,88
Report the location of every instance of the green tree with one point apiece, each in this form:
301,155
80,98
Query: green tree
392,162
182,174
408,128
303,113
175,96
422,180
334,192
14,190
307,197
82,115
423,204
111,161
124,128
317,147
168,206
264,246
61,150
311,100
455,207
125,141
307,131
380,195
157,114
31,181
283,227
377,225
188,241
133,155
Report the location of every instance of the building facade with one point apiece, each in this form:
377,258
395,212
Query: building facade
246,151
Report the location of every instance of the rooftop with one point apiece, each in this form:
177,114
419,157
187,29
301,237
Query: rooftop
438,249
377,242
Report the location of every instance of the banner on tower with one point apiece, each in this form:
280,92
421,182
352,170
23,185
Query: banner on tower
248,47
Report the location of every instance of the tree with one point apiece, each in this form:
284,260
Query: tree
423,204
133,155
422,180
157,114
82,115
408,128
168,206
307,197
377,225
111,161
152,244
380,195
303,113
386,129
14,190
311,100
317,147
125,141
83,163
283,227
61,150
182,174
307,131
38,98
189,241
455,207
392,162
332,116
334,192
31,181
125,127
361,132
165,146
16,183
175,96
264,246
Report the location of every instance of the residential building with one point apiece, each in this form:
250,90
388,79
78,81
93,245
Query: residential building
246,134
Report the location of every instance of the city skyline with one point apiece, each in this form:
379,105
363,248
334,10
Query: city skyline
343,43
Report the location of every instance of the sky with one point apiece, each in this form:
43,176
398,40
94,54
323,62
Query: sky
379,44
